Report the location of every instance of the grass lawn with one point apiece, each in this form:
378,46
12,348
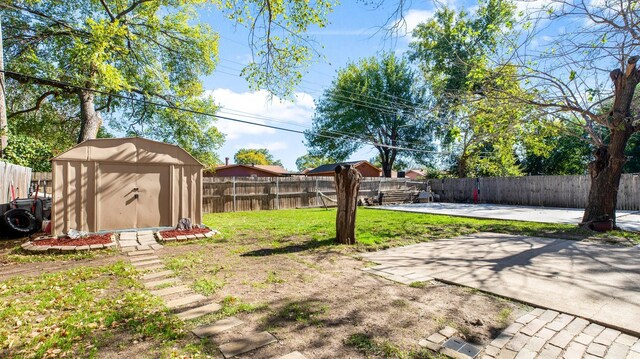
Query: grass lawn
78,312
377,229
279,271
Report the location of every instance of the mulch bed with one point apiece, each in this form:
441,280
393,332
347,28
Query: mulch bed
176,232
66,241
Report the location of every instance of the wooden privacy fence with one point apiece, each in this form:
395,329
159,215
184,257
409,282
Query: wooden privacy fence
42,181
547,191
17,176
229,194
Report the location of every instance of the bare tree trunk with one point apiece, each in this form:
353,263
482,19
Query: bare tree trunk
606,168
386,169
461,167
605,171
91,120
347,187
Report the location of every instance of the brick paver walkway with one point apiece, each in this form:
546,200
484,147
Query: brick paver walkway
549,334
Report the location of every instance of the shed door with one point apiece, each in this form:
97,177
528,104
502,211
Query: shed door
133,196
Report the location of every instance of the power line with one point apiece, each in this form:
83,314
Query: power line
363,100
196,112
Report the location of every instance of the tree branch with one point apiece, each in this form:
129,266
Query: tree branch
132,7
39,101
106,8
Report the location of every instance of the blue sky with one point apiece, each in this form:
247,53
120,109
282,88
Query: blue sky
353,33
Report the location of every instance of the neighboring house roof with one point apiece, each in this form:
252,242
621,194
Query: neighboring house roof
330,168
276,170
418,171
272,168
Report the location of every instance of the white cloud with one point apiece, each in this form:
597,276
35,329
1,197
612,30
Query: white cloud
271,146
255,107
411,20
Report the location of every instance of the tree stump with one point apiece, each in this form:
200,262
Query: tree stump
347,187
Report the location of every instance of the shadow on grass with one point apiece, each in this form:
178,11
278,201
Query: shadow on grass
293,248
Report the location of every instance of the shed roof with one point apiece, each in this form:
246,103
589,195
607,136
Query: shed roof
332,166
128,150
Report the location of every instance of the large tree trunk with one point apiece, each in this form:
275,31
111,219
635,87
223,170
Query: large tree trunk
461,167
605,172
606,168
347,187
90,119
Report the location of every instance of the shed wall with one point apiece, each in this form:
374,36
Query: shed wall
125,183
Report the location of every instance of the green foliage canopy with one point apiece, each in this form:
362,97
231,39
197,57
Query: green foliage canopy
311,161
153,51
478,124
376,101
261,156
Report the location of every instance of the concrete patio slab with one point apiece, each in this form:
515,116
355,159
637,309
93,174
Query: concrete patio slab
246,344
143,258
199,311
626,220
158,275
180,289
157,283
600,283
140,253
184,301
220,326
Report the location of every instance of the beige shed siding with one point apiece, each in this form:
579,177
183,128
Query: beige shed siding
95,186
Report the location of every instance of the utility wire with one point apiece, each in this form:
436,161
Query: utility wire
386,107
196,112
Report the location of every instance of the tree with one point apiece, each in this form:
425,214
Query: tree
150,51
477,126
310,161
372,102
261,156
633,154
565,78
570,153
400,164
347,181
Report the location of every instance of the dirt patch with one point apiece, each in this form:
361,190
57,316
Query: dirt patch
66,241
318,300
183,232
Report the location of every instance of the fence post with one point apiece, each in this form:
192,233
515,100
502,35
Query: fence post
234,194
317,194
277,193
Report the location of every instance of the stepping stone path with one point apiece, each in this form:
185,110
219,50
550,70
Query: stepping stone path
140,249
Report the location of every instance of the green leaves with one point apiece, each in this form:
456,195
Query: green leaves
374,100
260,156
481,126
281,47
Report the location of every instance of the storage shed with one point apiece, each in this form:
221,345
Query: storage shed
123,183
